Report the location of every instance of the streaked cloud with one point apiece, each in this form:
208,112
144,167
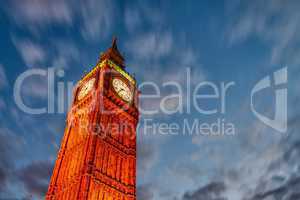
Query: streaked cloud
151,45
147,157
212,191
32,53
40,13
64,53
35,177
3,77
273,22
145,192
6,156
254,164
97,18
35,86
132,18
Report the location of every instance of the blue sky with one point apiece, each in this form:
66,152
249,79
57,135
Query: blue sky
218,41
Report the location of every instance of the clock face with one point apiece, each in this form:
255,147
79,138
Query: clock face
86,88
122,89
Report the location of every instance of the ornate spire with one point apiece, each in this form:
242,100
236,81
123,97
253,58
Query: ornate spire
114,43
113,54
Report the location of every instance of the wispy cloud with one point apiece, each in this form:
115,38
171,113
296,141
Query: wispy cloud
273,22
33,54
2,104
10,144
57,53
97,18
266,170
147,158
3,77
141,13
257,178
132,19
35,86
64,54
145,192
6,155
40,13
151,45
35,177
212,191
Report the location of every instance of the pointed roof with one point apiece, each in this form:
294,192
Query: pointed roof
113,54
114,43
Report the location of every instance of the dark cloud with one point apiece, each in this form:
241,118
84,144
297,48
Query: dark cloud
7,156
147,155
35,177
289,191
3,77
145,192
293,152
212,191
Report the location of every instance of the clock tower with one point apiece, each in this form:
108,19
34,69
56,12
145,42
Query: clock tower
97,157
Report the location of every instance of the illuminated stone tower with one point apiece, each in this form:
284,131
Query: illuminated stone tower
97,157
